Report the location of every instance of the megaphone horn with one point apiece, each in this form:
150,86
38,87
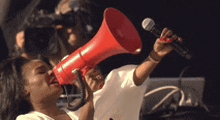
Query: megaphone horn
117,35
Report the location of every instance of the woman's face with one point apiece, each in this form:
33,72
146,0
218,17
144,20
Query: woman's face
42,84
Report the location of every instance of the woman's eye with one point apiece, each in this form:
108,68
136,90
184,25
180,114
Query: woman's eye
41,70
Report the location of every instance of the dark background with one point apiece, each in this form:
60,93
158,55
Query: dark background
197,22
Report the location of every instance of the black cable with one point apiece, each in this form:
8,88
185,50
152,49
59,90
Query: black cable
181,76
73,106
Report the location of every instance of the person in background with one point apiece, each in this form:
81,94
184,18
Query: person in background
32,31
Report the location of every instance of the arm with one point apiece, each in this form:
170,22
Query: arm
87,111
161,49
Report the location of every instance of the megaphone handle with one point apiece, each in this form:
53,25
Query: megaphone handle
82,100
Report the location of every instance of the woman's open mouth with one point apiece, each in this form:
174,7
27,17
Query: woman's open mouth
54,81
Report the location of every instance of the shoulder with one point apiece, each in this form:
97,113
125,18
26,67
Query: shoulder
122,75
123,70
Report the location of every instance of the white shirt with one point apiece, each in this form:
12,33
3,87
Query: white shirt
120,98
34,115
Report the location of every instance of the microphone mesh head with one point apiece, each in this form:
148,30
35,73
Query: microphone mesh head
148,24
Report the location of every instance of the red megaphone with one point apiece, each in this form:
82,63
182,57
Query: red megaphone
116,35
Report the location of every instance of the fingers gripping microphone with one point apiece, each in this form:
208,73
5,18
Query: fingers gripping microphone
149,25
117,35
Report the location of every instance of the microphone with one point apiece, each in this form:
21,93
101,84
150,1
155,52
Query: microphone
149,25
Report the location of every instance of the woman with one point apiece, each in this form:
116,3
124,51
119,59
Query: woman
29,87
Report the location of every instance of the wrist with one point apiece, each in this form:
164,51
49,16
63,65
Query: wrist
154,57
90,104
